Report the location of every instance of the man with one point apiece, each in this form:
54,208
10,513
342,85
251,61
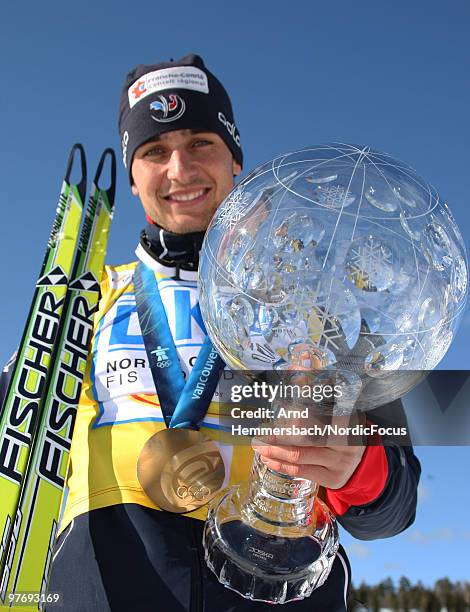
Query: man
116,549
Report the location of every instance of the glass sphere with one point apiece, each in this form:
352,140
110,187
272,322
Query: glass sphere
342,250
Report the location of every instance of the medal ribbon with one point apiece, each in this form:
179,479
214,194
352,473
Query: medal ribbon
183,404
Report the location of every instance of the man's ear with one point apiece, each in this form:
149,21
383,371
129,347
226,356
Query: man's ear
236,168
134,189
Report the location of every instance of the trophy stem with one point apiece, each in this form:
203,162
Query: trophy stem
278,500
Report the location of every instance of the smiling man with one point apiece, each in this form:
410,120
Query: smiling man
117,550
182,177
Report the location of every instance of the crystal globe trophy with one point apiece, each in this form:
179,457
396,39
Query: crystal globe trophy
349,255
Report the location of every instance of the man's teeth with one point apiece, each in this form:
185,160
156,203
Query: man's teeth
187,197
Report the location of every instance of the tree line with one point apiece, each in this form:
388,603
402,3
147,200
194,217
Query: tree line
405,597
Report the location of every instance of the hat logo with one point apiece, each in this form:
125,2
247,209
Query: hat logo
124,143
139,89
167,108
231,129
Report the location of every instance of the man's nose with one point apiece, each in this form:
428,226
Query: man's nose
180,167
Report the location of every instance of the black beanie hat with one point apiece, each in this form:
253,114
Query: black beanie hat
174,95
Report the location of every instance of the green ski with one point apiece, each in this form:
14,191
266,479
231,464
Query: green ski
21,410
40,502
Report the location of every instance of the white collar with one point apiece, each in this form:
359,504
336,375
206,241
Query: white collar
156,266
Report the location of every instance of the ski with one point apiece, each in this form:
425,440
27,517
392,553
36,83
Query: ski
40,502
22,404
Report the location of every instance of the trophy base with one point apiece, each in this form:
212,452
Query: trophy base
263,561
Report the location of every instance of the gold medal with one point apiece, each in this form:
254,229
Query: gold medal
180,469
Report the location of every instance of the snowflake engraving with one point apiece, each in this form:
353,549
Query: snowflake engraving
232,210
369,264
323,326
334,196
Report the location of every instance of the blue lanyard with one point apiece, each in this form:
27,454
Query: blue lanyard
183,404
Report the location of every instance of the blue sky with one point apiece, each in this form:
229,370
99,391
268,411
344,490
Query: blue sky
438,542
393,76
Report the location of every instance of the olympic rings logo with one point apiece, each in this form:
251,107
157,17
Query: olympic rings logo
164,364
196,492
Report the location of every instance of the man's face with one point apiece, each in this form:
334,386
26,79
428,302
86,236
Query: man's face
182,177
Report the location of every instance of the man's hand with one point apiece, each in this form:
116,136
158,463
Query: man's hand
328,466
